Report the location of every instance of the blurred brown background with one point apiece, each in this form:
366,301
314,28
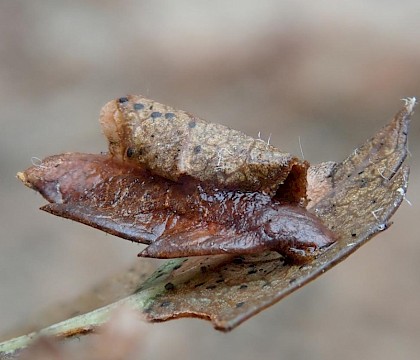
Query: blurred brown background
328,72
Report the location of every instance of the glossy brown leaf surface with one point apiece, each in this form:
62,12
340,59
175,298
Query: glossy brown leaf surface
177,220
355,198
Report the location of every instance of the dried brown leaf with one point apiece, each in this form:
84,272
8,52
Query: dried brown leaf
364,192
356,199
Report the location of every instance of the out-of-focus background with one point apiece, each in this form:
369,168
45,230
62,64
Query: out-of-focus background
330,73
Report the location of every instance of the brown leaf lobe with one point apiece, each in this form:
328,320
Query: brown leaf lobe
187,219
